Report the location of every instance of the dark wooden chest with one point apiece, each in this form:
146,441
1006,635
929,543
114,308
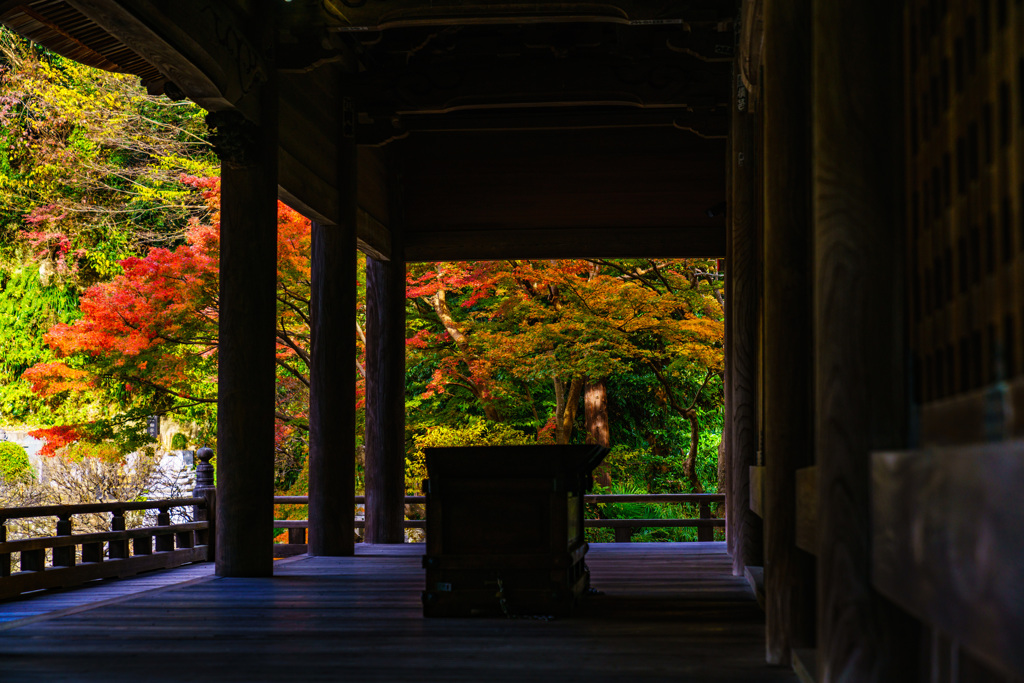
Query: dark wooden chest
505,529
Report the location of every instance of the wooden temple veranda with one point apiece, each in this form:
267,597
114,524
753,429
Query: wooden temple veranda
859,165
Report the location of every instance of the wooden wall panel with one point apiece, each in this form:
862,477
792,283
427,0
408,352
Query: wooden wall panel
965,168
947,544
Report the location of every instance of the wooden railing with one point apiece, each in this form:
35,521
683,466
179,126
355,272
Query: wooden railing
623,528
76,559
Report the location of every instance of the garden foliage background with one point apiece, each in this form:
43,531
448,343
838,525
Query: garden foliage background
108,305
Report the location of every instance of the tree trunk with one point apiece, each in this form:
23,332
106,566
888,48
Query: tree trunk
690,461
439,302
595,405
567,400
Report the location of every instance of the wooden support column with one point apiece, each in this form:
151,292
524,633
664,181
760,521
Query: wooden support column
788,322
385,398
744,525
860,387
332,373
247,339
725,451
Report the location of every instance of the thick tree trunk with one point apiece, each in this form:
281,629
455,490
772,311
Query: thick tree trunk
567,401
690,461
595,408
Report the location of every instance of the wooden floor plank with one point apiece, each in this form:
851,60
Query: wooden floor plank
48,603
668,612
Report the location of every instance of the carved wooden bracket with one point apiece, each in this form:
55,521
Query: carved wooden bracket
234,137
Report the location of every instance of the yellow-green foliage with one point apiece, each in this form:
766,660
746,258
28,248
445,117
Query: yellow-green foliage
626,464
479,434
14,463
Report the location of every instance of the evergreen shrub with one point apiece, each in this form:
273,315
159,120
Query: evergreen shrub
14,463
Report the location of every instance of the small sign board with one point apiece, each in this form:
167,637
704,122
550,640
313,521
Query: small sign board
153,426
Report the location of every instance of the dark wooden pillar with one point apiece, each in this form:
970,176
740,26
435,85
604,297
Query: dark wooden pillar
744,525
859,305
332,377
385,398
725,451
788,322
246,353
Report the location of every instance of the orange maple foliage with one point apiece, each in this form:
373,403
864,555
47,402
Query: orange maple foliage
147,339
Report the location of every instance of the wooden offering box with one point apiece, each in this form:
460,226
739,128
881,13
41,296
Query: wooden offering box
505,529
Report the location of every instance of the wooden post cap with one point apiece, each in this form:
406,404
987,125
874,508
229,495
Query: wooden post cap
204,473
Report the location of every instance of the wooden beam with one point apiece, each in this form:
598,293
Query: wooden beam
707,124
596,242
207,50
247,340
860,379
403,13
788,323
318,202
538,78
516,180
742,354
946,543
311,115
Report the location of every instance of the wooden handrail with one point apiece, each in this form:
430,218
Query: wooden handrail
655,498
645,523
589,498
359,500
623,528
90,508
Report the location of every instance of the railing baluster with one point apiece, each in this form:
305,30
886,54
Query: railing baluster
92,552
185,539
5,558
297,536
33,560
204,484
65,555
142,545
164,542
117,550
705,533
